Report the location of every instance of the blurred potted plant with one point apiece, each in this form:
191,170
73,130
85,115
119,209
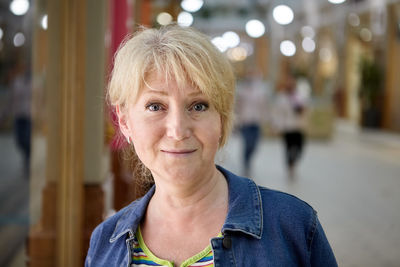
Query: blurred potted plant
370,93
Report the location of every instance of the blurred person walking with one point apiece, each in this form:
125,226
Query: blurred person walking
21,106
251,109
290,120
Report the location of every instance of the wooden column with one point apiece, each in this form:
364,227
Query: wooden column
72,88
75,154
392,90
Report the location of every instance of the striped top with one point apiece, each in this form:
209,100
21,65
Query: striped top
142,256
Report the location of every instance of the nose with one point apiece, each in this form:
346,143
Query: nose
178,124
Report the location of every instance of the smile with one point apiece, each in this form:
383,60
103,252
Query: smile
179,152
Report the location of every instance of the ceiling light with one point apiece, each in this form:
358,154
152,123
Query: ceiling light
19,39
19,7
307,31
337,1
192,5
43,22
232,38
255,28
164,18
288,48
185,19
283,14
308,45
220,43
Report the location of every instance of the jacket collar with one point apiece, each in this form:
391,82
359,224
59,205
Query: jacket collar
131,217
244,211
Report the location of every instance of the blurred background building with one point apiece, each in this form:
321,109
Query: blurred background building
55,58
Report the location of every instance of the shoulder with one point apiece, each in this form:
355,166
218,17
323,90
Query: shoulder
288,214
282,205
274,198
271,200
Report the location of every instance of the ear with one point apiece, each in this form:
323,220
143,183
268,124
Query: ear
123,122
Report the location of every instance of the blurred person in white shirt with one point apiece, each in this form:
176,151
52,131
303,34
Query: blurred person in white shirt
251,112
290,121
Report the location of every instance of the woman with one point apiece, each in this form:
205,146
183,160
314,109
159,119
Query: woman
291,122
173,93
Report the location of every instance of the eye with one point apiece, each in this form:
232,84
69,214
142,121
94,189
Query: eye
200,107
154,107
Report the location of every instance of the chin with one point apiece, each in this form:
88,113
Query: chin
182,173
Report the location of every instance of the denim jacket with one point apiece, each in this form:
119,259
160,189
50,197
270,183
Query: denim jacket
263,227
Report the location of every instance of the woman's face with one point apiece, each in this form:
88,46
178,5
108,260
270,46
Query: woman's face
175,132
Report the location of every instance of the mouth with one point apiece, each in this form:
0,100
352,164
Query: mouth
176,152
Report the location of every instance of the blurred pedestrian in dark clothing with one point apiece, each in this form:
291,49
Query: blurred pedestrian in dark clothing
21,105
290,119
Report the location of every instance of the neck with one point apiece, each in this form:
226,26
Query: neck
192,198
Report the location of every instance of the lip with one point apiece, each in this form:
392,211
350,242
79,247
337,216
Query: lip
178,152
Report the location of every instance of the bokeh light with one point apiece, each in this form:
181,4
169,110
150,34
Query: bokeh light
192,5
365,35
43,22
288,48
353,19
337,1
164,18
255,28
232,38
19,39
19,7
185,19
307,31
308,45
248,47
237,54
283,14
220,43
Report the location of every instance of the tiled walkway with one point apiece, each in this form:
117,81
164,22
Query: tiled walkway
14,197
353,181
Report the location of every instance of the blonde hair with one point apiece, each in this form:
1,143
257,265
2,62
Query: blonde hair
183,54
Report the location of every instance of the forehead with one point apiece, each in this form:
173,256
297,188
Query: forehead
159,83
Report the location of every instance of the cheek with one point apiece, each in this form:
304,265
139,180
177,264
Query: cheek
143,132
145,135
137,131
213,131
143,144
